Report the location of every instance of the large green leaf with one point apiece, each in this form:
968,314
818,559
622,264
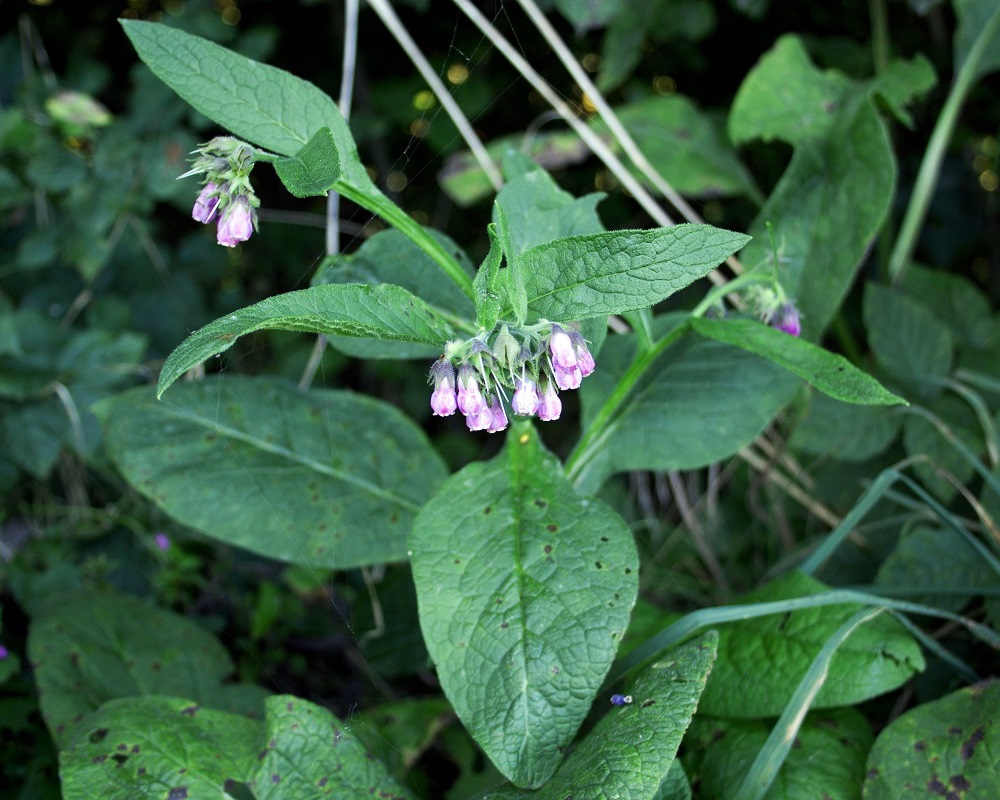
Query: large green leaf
947,748
524,590
977,18
158,748
370,312
609,273
90,646
311,754
389,257
832,374
827,759
630,752
835,192
845,432
324,478
762,660
702,402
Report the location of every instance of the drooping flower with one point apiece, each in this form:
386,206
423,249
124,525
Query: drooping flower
207,205
787,319
470,399
498,417
237,222
562,350
549,406
584,360
443,400
481,420
525,401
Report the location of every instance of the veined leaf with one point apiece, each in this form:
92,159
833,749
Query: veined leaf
328,479
371,312
832,374
600,274
524,590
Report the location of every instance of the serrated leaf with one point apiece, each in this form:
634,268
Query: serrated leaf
381,312
832,374
610,273
702,402
324,478
311,754
826,760
313,169
948,748
631,750
89,646
762,660
524,589
151,748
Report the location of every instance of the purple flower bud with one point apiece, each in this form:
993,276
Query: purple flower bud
498,417
207,204
443,401
584,360
481,420
550,406
525,400
162,541
470,399
3,652
236,223
568,378
787,320
561,348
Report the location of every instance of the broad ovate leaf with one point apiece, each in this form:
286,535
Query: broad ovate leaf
524,590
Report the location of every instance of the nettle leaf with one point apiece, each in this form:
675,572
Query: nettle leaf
370,312
610,273
835,192
313,169
311,754
703,401
152,748
762,660
827,758
389,257
832,374
89,646
949,748
524,590
324,478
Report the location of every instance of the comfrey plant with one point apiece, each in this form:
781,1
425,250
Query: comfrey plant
525,581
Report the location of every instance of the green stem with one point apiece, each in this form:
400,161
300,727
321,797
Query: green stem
880,35
927,177
595,434
410,228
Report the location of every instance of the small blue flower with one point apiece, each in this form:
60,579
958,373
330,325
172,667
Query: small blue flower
621,699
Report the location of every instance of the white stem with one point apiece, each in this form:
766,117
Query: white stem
349,64
441,92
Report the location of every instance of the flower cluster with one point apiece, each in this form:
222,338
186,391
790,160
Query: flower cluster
524,366
226,197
